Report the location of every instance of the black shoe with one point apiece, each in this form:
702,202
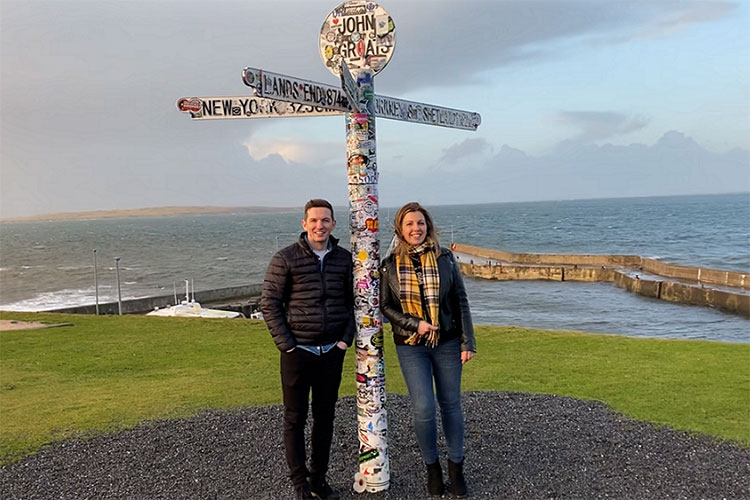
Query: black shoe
303,492
458,482
320,488
435,484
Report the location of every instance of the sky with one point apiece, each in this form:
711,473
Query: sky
579,99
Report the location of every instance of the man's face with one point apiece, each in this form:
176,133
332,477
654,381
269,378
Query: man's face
319,225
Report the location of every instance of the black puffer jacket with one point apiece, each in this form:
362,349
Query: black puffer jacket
454,303
302,304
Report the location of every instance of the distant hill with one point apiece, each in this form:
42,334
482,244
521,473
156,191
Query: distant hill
146,212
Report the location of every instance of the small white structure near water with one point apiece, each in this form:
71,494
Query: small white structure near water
191,309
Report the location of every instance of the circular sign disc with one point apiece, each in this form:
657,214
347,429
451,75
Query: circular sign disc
360,32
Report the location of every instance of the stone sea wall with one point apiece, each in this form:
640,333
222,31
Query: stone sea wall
643,276
148,304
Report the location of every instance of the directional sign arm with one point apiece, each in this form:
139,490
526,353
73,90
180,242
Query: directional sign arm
222,108
291,89
288,88
419,112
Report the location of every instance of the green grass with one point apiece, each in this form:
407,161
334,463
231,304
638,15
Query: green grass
109,373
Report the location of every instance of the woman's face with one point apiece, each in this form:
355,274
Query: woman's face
414,228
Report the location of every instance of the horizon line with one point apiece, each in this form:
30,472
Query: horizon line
178,210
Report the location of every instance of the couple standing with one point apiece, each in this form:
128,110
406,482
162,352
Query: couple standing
308,307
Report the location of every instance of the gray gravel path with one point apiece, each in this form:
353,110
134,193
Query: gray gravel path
518,446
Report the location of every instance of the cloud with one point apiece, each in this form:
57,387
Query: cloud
464,150
599,125
674,165
488,35
664,19
291,150
675,140
681,15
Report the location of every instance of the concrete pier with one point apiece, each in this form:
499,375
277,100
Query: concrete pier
725,290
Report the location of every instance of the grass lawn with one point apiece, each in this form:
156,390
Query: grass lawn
109,373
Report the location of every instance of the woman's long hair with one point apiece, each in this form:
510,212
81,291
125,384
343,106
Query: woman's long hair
401,245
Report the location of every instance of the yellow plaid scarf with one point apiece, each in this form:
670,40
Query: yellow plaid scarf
411,299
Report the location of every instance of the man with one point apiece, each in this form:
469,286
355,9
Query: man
308,307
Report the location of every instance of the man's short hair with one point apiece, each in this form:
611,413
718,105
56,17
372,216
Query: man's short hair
318,202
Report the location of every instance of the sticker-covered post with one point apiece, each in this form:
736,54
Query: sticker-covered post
356,42
362,171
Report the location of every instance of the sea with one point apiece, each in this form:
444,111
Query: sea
50,264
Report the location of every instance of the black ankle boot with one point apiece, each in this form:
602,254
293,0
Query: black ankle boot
456,474
435,484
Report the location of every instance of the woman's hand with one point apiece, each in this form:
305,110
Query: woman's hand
424,328
466,356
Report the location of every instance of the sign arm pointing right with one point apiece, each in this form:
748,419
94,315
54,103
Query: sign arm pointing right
288,88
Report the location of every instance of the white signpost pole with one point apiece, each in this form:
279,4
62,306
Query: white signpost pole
359,36
362,170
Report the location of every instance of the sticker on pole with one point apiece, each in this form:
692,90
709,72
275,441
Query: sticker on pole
359,32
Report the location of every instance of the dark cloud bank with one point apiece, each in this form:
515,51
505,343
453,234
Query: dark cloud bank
674,165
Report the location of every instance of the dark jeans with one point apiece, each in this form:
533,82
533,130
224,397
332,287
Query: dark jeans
301,372
420,366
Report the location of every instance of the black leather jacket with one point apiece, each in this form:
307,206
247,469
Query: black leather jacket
454,303
302,304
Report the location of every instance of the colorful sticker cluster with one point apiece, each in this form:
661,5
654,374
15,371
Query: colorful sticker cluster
372,420
360,32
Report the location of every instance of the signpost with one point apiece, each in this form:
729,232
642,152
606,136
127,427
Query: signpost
357,40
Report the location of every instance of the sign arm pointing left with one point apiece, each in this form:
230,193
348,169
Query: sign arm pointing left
222,108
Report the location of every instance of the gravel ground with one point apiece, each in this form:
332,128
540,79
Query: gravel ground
517,446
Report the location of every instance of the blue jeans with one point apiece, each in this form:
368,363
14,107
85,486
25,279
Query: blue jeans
420,364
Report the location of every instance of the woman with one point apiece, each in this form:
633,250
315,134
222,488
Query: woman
423,296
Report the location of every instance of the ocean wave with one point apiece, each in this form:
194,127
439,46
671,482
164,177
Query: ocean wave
58,299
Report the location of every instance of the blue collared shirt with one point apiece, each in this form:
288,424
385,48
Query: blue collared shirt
318,350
